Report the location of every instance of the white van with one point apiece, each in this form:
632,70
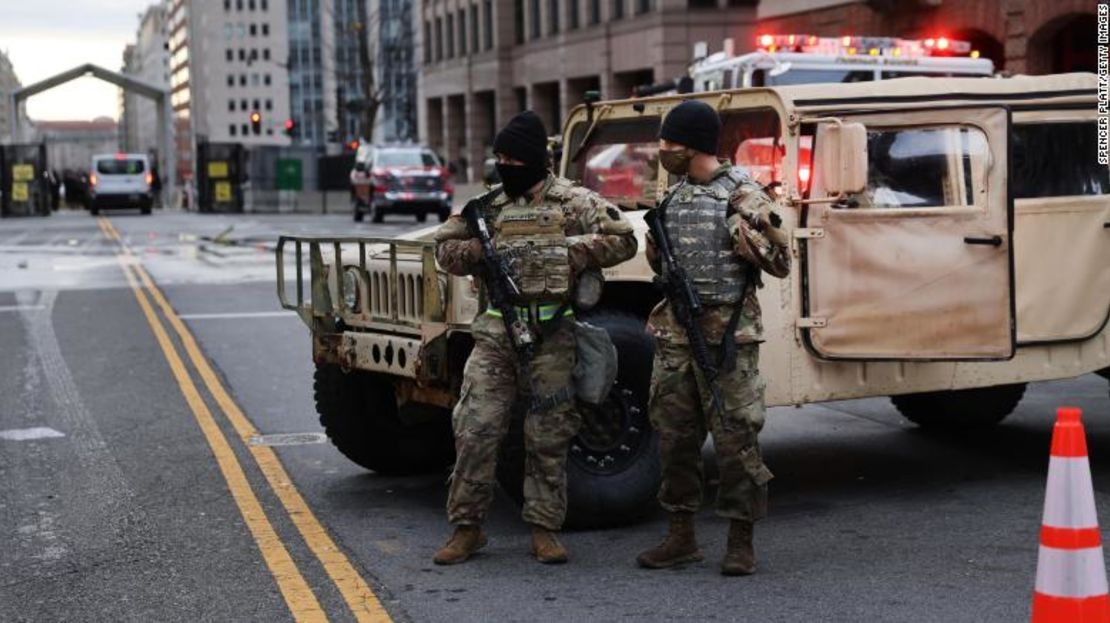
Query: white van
120,181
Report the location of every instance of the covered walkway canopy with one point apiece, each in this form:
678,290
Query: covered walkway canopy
160,96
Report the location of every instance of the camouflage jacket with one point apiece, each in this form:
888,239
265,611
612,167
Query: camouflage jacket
756,242
598,234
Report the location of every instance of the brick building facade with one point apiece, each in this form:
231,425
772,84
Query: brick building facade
482,61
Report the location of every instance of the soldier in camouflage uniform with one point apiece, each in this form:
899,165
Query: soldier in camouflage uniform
724,230
550,230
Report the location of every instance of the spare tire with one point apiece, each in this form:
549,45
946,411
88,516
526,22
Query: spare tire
961,409
613,471
358,411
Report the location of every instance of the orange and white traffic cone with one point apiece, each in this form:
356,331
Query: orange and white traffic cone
1071,574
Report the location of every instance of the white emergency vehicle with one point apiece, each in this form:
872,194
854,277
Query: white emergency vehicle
805,59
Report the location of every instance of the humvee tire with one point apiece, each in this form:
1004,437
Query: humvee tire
613,472
962,409
359,414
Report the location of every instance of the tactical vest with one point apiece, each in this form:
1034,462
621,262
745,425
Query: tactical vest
533,239
696,223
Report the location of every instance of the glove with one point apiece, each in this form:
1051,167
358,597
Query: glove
474,251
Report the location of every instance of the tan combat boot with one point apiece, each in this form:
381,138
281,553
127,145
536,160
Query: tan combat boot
740,555
546,547
679,547
463,543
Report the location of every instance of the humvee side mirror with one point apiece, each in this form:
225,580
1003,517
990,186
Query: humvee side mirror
842,157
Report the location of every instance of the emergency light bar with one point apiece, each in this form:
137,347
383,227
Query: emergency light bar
869,46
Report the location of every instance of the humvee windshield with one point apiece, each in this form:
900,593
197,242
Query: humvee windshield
619,162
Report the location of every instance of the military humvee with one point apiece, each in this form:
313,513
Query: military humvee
951,240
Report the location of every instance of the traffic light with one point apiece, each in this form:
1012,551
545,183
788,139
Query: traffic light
290,127
256,122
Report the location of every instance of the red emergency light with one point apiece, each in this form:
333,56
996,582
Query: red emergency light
850,45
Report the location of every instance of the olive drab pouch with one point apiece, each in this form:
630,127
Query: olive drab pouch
595,370
534,241
754,465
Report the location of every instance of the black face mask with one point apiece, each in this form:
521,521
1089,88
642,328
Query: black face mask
516,179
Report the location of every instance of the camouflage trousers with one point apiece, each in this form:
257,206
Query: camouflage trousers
681,411
484,412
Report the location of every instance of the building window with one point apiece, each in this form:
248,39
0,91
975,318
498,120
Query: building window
250,5
253,30
474,40
254,54
242,80
227,7
265,30
231,129
238,5
552,17
573,17
643,6
242,54
230,54
266,80
254,80
245,130
489,24
256,106
534,8
439,38
618,9
269,104
518,21
427,42
269,131
595,12
462,32
265,5
231,105
230,80
265,54
450,35
242,104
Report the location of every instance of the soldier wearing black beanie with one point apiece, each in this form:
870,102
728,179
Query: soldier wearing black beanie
724,232
550,235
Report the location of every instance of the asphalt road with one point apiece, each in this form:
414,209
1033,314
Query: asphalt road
118,501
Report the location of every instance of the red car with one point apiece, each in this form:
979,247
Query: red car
400,179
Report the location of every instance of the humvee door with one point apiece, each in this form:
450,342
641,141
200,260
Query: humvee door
919,265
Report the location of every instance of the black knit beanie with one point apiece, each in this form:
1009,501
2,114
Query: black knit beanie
523,138
692,124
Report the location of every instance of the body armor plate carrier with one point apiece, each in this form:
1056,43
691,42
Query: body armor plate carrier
696,222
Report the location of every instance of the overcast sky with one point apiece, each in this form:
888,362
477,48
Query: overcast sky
44,37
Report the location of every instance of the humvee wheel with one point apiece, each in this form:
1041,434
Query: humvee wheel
359,413
962,409
613,469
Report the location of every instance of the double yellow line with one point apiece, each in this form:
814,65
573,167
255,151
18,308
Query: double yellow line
299,597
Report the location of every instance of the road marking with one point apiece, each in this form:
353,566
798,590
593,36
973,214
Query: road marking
29,434
21,308
288,439
298,596
364,604
234,315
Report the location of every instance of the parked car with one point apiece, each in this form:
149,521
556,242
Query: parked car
120,181
400,179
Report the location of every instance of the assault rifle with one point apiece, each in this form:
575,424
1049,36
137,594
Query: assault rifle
498,277
685,305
